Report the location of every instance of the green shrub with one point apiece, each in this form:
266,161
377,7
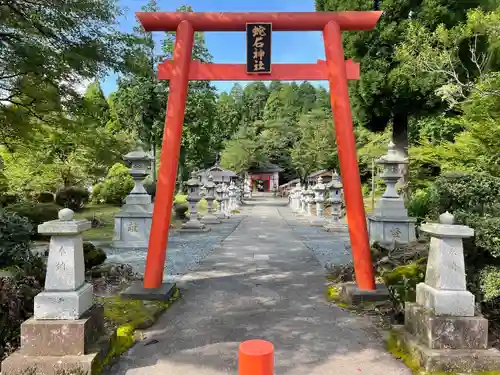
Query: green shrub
180,198
16,305
36,213
45,197
93,256
15,239
180,210
72,197
150,187
489,278
366,190
420,204
115,187
470,192
402,281
8,199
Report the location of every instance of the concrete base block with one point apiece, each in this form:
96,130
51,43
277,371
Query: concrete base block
447,360
62,337
194,226
446,332
137,291
130,244
351,294
63,305
335,227
210,219
20,364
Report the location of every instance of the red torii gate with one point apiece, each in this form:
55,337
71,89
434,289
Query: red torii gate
334,69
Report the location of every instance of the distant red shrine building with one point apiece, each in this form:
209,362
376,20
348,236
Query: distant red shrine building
264,178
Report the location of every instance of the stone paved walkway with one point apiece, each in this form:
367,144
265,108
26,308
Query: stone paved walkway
261,283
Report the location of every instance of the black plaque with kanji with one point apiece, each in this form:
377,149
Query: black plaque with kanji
259,48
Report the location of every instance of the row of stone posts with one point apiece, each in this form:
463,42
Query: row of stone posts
228,197
133,222
302,201
389,221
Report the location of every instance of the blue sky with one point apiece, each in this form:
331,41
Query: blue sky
229,47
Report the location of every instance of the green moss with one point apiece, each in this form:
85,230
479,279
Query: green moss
129,315
397,348
402,280
332,294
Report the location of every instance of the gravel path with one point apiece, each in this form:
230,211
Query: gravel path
185,250
328,247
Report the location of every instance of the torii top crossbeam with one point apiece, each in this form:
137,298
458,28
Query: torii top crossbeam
282,21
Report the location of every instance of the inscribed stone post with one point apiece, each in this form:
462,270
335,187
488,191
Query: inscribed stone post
66,294
133,221
319,198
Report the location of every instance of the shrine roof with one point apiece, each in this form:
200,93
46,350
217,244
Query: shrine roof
217,172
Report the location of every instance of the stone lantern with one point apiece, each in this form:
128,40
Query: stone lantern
64,330
319,197
194,187
294,202
335,199
302,202
232,196
133,221
219,196
225,199
389,222
309,200
210,218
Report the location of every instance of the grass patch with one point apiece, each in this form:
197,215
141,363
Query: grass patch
129,316
103,212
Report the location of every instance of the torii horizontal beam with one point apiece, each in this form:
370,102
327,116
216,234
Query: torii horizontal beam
282,21
237,72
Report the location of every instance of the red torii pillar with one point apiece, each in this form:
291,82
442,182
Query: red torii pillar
335,70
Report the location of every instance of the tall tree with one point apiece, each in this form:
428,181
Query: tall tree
140,99
385,94
47,49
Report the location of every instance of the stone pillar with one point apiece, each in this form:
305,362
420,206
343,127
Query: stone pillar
294,203
225,200
442,327
193,225
219,196
210,218
309,193
66,324
389,222
319,198
232,196
133,221
335,199
237,197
